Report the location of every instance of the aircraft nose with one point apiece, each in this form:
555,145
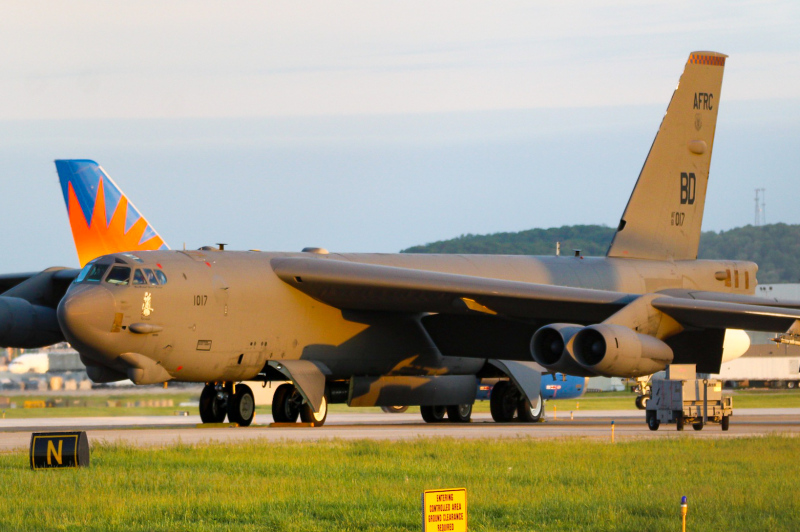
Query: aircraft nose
86,316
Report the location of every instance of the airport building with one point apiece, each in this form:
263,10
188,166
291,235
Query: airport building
766,363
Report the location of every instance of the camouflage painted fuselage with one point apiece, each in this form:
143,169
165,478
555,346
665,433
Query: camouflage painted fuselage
223,315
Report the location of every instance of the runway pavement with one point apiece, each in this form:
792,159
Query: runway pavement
156,431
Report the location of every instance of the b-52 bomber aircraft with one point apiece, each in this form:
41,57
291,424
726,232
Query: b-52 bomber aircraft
402,329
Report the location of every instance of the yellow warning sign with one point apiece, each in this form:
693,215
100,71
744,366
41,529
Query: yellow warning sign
444,510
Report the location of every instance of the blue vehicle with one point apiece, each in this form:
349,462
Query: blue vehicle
554,386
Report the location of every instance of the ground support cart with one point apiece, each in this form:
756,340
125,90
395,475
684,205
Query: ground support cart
683,399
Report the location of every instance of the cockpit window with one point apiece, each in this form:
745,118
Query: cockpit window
92,273
83,272
119,275
151,277
138,277
162,278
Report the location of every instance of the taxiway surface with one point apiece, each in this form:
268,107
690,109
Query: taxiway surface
155,431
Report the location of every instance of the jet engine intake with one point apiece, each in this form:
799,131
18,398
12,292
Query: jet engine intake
102,374
25,325
618,351
550,348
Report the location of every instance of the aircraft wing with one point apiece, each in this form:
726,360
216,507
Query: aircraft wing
724,315
10,280
356,286
722,297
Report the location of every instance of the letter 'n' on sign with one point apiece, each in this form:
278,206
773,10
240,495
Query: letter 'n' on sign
51,450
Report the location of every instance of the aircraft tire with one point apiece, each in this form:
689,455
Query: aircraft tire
242,406
726,422
652,420
397,409
503,402
433,414
286,404
212,410
459,413
641,401
307,414
528,413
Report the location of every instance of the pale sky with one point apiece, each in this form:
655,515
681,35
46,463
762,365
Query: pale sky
374,126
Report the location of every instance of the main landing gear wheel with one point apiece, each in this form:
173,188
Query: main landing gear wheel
433,414
286,404
530,413
394,409
307,414
212,407
504,401
459,413
242,406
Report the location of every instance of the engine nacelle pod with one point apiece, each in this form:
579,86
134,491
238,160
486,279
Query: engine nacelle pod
25,325
102,374
618,351
550,348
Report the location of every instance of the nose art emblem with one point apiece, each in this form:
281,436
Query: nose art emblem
146,308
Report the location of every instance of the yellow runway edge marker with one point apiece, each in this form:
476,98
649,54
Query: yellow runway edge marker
684,510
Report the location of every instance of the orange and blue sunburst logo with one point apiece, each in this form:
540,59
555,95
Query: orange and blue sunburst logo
103,221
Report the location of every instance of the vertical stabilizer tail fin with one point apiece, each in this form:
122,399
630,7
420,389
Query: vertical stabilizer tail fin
102,219
665,212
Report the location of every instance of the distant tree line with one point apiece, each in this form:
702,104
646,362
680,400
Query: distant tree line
775,247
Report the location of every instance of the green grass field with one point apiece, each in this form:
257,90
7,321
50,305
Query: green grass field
519,485
90,405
